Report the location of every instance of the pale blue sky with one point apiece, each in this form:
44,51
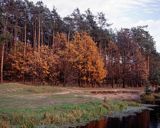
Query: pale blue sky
122,13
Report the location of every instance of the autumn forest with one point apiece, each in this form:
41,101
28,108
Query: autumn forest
82,49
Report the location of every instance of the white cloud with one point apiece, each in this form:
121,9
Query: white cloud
97,5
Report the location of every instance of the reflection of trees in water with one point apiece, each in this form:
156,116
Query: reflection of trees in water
155,118
137,120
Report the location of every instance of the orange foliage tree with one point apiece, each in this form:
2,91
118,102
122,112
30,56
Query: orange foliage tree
63,52
88,62
75,61
32,66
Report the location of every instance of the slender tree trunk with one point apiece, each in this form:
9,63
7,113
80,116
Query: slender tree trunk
25,44
42,38
25,34
15,36
79,79
2,62
2,52
148,65
68,36
100,49
123,83
34,37
25,38
124,68
39,33
53,38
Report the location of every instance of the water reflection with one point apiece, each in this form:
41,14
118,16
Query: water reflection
145,119
102,123
155,118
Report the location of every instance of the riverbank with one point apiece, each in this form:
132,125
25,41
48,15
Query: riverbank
27,106
60,115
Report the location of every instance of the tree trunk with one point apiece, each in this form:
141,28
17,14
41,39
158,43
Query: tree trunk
15,35
79,79
34,37
68,36
2,62
25,44
148,65
53,38
25,38
39,33
42,38
123,83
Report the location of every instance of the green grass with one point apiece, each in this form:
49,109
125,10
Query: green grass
23,106
59,115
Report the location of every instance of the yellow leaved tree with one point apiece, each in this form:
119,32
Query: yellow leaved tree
87,61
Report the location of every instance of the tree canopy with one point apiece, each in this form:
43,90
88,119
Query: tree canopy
80,48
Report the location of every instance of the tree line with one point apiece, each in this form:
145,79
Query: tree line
38,45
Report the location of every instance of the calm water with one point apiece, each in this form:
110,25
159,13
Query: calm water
155,118
145,119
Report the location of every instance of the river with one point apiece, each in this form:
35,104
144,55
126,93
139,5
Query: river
144,119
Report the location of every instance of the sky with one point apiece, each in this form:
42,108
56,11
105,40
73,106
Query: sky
122,13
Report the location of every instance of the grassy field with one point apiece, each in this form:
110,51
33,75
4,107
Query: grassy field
25,106
14,95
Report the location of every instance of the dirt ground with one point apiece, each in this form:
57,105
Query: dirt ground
110,93
14,95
